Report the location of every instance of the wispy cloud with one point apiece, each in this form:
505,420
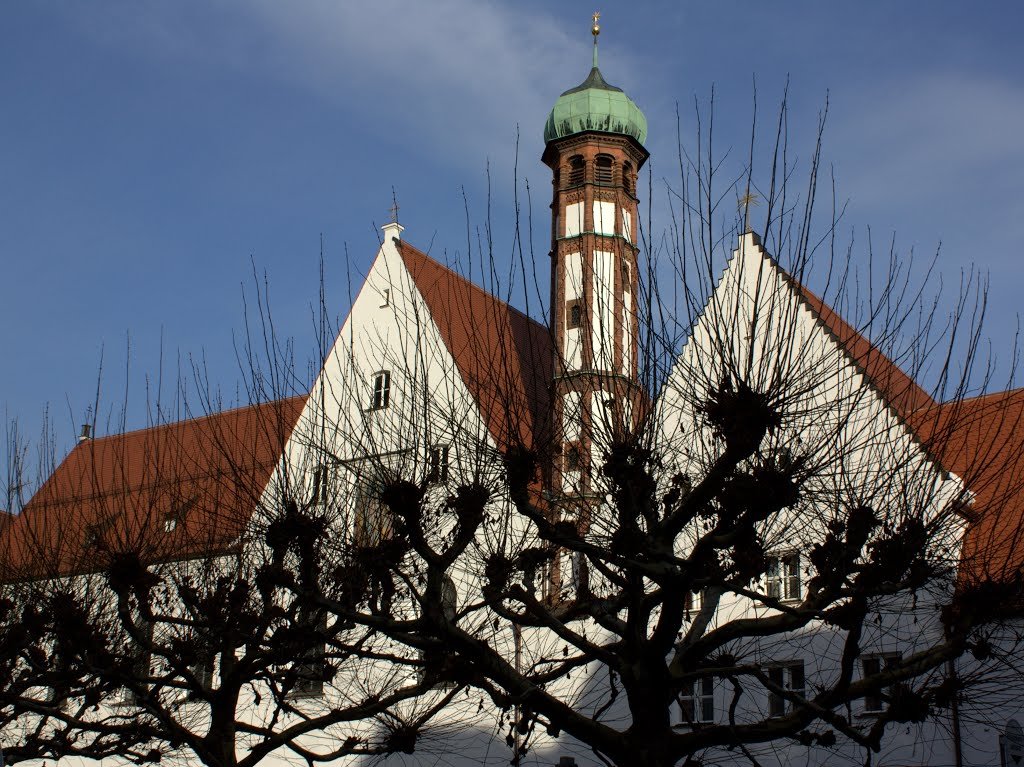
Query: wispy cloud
452,74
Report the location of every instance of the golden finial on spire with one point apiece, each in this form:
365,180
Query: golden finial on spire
597,27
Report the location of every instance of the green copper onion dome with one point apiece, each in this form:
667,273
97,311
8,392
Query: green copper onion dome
595,105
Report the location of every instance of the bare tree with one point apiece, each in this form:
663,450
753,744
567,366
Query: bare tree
160,597
788,529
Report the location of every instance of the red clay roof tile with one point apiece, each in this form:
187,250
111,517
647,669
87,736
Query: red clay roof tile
171,491
504,357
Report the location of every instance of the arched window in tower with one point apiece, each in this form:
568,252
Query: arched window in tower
627,177
604,170
576,170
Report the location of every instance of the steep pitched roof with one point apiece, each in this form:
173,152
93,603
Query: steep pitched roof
171,491
900,391
982,440
503,356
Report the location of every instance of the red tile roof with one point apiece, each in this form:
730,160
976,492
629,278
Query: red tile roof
901,391
188,489
982,440
171,491
504,357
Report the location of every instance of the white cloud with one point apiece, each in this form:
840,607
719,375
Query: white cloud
454,74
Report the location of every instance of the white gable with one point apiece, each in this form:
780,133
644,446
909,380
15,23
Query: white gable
389,338
757,329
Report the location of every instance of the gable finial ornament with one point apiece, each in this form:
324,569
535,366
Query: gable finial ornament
393,210
745,201
392,229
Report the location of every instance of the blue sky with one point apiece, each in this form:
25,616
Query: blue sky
151,152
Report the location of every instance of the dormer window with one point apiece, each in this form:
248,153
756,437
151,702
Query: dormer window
381,396
604,172
170,521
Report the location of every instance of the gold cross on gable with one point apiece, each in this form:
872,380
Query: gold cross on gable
748,199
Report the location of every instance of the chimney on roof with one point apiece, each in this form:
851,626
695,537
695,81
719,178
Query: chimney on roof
86,434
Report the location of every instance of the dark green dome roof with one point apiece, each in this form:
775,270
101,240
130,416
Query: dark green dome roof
595,105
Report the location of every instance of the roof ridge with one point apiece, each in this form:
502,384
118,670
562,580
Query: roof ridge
818,307
986,395
481,290
501,353
193,420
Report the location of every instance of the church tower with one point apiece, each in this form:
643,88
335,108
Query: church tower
594,146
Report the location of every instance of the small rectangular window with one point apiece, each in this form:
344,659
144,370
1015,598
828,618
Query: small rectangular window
312,670
789,676
783,577
318,492
381,397
385,297
692,602
574,314
170,521
875,664
203,674
697,703
573,460
373,523
437,464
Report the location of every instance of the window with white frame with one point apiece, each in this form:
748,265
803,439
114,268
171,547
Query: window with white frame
381,396
202,672
318,489
783,576
697,702
437,464
311,669
177,514
872,665
693,601
788,676
373,523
